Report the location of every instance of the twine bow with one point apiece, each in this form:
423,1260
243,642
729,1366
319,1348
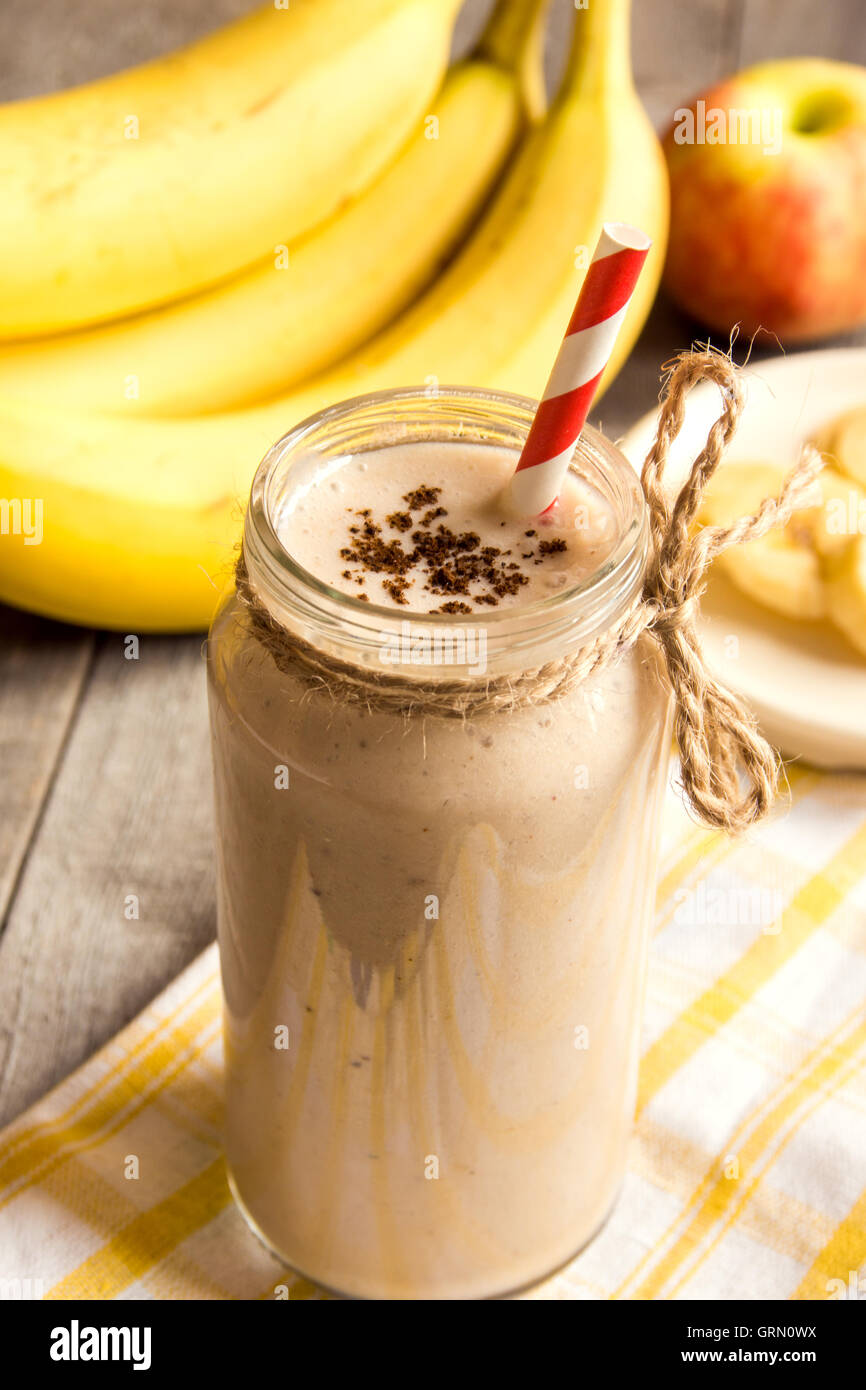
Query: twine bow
730,773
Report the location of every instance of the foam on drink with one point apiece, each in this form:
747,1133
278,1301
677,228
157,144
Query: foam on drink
428,528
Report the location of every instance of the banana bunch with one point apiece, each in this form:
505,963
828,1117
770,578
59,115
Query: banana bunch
815,567
143,494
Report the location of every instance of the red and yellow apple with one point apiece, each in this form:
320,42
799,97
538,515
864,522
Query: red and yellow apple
768,201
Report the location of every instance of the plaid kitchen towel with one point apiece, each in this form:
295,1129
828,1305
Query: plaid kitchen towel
747,1176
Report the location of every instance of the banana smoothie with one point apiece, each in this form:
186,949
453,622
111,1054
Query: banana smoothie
436,858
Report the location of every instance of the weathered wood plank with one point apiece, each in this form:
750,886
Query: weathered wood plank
43,668
470,22
691,44
662,99
129,813
793,28
56,44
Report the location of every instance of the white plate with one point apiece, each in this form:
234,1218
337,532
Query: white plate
806,684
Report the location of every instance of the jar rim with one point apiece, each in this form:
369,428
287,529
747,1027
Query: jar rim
278,577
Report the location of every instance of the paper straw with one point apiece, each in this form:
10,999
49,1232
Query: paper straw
601,307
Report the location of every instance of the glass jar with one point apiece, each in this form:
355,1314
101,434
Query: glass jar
432,929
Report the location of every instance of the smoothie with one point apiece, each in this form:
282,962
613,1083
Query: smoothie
432,930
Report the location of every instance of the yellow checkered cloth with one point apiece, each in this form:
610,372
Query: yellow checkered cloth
748,1167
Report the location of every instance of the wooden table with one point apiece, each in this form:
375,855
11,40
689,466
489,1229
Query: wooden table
105,799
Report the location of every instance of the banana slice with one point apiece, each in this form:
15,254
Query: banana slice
778,573
781,570
737,489
841,516
846,592
844,443
816,566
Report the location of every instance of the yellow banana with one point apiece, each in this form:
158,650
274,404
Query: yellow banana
140,515
267,329
153,183
515,38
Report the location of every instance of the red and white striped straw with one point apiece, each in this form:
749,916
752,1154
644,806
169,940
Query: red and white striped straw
601,307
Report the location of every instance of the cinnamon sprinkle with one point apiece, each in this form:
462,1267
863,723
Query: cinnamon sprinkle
443,561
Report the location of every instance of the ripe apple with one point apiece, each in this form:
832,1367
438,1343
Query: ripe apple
768,201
